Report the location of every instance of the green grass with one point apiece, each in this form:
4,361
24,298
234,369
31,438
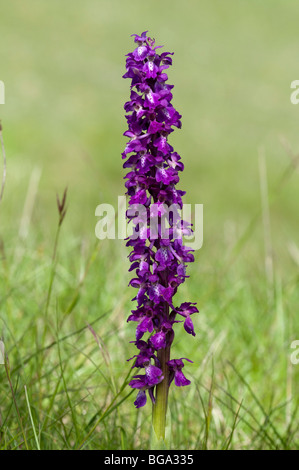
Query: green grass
65,385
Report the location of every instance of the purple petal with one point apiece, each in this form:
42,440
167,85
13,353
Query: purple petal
180,380
153,375
140,53
158,340
188,325
141,399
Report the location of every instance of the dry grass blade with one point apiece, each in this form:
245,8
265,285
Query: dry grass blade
61,205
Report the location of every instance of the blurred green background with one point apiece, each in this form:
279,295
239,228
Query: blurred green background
62,63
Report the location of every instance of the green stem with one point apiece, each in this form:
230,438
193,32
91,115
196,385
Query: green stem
160,407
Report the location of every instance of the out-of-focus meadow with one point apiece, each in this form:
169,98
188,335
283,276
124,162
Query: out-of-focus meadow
63,120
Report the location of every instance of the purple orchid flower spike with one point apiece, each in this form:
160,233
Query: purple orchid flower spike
159,262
